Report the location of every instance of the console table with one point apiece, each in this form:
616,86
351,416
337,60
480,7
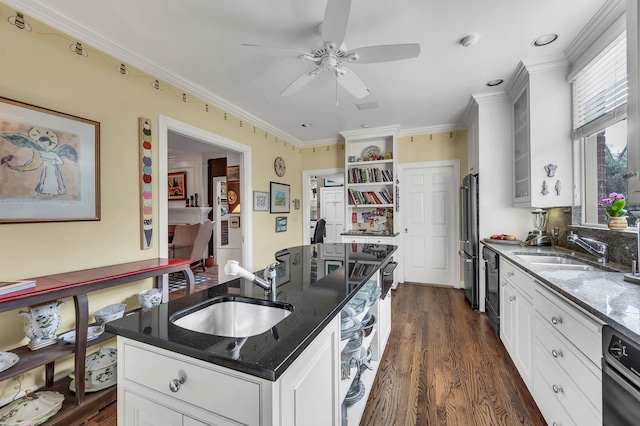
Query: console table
78,284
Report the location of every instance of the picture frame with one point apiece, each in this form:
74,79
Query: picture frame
233,173
260,201
234,221
177,185
49,165
280,198
332,265
281,224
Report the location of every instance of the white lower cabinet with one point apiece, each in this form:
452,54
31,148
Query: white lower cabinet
556,347
207,394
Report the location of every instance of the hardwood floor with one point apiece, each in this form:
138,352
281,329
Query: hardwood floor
443,365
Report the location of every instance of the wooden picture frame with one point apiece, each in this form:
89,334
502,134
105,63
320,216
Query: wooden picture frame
281,224
177,185
49,165
233,173
280,198
260,201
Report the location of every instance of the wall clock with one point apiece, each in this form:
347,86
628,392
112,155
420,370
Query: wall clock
279,166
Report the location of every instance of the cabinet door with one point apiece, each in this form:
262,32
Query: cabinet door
523,336
139,411
507,315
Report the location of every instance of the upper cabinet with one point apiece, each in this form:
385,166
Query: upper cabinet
370,179
542,146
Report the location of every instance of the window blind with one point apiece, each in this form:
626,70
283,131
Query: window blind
600,90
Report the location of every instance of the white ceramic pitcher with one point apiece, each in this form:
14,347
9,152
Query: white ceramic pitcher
42,321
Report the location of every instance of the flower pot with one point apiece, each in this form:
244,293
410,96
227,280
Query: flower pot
617,223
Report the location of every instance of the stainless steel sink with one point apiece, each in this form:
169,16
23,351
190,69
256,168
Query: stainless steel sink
560,262
232,316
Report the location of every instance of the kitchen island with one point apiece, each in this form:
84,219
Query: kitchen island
287,375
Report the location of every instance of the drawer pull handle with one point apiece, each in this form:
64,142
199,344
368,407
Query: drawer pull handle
556,320
557,389
174,385
510,274
555,353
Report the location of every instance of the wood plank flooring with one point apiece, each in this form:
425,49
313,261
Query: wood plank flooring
443,365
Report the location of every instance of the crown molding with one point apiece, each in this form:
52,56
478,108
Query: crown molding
47,14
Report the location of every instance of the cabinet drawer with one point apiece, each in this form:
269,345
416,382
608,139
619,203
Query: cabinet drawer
380,240
520,279
583,332
552,382
223,394
550,407
587,376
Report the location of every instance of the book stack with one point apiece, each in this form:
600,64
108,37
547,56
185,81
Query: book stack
370,197
369,175
7,287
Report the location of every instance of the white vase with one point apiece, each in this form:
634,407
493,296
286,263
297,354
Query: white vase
42,322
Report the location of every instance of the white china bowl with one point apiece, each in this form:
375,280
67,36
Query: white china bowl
150,298
109,313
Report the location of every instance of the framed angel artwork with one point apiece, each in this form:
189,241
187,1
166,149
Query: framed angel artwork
49,165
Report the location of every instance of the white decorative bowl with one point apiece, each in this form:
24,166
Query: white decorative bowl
109,313
150,298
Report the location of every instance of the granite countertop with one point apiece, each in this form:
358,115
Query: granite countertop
317,298
603,294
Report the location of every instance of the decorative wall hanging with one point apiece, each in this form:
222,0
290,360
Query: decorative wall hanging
280,198
281,224
558,187
144,127
550,169
49,165
234,221
233,174
260,201
545,188
177,185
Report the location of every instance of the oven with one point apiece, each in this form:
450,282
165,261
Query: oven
620,379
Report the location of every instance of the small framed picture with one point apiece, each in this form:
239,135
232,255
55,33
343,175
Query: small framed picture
331,265
234,221
177,185
233,173
280,198
281,224
260,201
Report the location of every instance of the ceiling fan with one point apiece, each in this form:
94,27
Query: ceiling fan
329,53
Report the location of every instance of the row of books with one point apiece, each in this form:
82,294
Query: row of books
7,287
370,197
370,175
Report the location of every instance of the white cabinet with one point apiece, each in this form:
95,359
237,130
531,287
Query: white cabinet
207,394
370,179
542,145
567,355
516,318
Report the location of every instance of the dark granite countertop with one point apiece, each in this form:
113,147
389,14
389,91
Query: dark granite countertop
317,298
603,294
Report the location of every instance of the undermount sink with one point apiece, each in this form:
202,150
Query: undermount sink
560,262
232,316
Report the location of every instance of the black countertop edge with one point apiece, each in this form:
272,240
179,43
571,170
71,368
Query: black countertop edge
608,281
370,234
274,360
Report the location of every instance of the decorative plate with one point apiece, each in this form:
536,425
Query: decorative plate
92,333
32,409
371,153
90,387
8,360
512,242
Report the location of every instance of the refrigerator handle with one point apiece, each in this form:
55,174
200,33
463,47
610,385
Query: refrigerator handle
464,256
464,232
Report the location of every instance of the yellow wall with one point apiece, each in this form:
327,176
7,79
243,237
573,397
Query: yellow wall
438,146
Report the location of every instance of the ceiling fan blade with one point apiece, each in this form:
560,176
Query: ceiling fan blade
276,51
351,83
336,18
300,82
385,53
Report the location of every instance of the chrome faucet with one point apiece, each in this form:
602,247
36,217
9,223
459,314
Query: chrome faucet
594,247
268,283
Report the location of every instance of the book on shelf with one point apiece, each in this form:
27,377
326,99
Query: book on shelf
7,287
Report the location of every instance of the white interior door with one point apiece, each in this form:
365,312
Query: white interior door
332,211
428,209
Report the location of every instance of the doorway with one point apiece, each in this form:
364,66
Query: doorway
312,182
430,222
207,141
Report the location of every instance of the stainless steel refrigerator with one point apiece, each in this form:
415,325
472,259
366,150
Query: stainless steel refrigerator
469,237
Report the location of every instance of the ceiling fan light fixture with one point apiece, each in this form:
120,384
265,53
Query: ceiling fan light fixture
496,82
544,40
470,40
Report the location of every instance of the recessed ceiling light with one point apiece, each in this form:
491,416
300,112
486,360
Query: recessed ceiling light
365,126
306,125
545,39
495,82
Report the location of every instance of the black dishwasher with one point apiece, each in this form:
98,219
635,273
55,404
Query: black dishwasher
492,287
620,379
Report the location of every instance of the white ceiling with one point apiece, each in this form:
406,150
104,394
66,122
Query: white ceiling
197,44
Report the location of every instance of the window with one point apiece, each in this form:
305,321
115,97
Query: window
599,120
